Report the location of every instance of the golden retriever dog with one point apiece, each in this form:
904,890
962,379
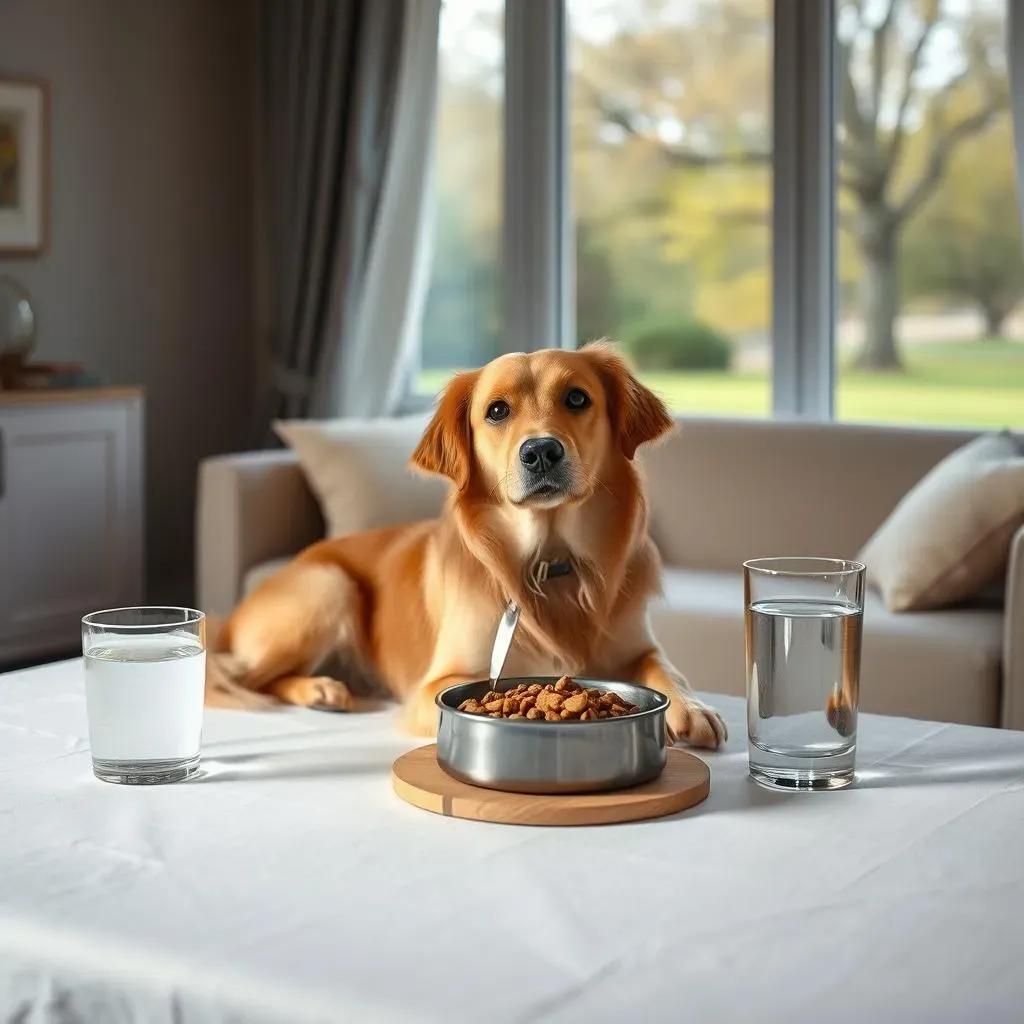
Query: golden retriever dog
546,508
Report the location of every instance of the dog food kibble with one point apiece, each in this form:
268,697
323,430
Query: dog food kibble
553,702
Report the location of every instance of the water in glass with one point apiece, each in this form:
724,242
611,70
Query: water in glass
803,664
145,700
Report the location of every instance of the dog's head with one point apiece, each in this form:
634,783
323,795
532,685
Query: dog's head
540,430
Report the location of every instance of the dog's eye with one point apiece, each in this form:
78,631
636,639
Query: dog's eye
577,399
497,411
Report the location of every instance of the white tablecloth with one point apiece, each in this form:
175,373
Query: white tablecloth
290,884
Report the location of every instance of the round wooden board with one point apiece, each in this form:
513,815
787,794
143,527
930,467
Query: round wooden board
419,780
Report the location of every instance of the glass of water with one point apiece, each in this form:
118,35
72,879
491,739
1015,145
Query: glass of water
145,675
803,621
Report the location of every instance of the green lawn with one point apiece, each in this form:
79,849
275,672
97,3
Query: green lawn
971,384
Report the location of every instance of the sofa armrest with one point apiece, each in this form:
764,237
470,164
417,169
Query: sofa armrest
1012,716
250,507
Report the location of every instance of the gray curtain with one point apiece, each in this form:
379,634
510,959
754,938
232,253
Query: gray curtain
329,76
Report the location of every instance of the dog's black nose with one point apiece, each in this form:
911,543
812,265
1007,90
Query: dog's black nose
540,454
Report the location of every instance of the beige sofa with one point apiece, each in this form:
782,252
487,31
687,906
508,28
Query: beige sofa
721,491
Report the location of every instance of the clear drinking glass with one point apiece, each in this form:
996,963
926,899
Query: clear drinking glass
803,621
145,671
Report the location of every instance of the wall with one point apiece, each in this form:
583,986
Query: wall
148,274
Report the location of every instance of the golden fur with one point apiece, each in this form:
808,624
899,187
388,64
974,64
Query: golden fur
415,607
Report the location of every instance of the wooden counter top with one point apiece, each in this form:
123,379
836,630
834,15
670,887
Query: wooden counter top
67,396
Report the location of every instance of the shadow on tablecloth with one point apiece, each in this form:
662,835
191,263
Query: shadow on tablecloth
302,758
998,766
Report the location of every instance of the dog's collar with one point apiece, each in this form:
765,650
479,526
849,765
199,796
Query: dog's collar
548,570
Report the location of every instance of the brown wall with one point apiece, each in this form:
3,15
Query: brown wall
148,274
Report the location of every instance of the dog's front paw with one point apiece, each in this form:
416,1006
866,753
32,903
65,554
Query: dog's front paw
696,723
420,715
329,693
314,691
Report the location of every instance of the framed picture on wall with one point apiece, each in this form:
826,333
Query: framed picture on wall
24,128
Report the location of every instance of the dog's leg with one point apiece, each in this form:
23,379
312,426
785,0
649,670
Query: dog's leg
282,632
687,718
420,713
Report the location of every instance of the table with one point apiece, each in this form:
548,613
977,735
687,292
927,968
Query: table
289,884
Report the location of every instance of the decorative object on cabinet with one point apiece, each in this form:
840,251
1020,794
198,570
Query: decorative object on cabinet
17,318
17,339
24,167
17,327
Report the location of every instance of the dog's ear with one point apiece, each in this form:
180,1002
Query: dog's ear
445,449
638,415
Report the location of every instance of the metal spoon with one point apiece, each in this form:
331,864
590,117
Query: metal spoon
510,618
503,640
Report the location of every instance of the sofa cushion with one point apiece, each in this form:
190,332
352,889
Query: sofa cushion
722,491
943,666
950,535
358,470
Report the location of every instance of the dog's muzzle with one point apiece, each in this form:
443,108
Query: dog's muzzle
545,473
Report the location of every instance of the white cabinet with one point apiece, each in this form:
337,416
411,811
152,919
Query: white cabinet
70,514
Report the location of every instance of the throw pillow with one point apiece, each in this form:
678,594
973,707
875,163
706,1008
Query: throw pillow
950,535
358,470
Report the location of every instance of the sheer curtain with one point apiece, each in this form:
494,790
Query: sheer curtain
369,374
347,95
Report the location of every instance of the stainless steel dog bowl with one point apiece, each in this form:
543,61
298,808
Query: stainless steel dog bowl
523,756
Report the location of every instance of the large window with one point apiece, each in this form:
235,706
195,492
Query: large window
462,319
931,258
670,148
776,206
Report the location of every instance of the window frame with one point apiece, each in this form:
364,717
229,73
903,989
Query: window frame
803,221
538,260
538,252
